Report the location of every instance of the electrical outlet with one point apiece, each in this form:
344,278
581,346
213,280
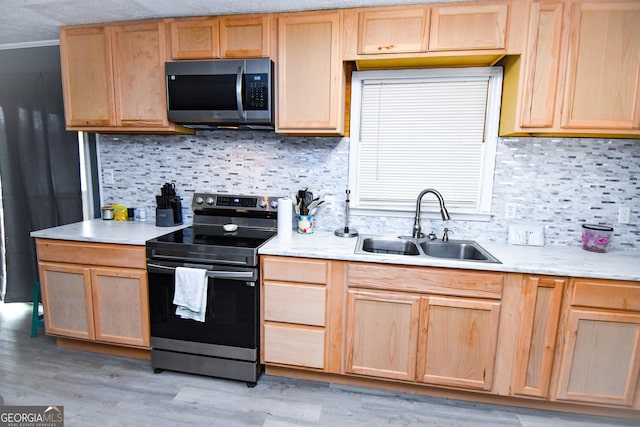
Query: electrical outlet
107,176
624,215
510,210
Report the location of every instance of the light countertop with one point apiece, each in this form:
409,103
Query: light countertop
98,230
552,260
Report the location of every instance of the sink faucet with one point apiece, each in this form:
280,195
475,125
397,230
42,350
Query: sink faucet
417,232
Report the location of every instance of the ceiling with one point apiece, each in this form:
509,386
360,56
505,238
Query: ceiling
35,22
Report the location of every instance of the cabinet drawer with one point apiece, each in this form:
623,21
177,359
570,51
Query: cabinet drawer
295,303
615,295
426,280
295,270
292,345
105,254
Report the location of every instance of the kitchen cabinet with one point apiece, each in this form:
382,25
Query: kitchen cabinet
382,334
458,342
602,89
311,78
536,347
294,316
246,36
87,77
468,27
579,72
393,29
601,359
425,325
427,34
95,292
237,36
113,78
194,38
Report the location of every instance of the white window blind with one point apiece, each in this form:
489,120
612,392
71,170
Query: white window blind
420,129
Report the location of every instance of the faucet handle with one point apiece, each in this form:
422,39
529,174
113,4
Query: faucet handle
445,236
432,235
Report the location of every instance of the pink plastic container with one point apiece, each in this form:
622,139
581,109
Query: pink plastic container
596,238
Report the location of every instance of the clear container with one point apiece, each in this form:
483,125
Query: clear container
596,238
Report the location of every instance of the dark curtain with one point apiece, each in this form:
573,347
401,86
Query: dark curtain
39,171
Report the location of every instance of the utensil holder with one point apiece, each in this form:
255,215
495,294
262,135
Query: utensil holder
305,224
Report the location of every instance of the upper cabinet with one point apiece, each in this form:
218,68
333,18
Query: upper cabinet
194,38
465,33
602,89
461,27
580,72
311,79
238,36
113,78
246,36
393,30
87,76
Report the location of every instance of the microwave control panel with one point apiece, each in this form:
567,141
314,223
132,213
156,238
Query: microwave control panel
256,91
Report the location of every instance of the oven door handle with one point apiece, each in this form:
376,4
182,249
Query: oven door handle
210,274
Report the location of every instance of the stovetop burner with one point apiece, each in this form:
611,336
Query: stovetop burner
206,240
186,236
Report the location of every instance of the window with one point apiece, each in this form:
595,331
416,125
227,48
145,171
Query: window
428,128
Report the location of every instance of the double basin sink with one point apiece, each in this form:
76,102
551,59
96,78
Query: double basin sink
462,250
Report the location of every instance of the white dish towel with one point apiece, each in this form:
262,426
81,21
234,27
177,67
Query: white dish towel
190,293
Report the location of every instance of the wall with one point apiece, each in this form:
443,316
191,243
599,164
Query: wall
559,183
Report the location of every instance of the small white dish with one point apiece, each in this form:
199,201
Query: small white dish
230,227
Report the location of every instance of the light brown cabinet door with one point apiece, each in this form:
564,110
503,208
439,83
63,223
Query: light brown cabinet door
194,38
294,345
311,79
382,334
601,360
120,305
603,75
87,78
536,346
542,64
458,339
393,30
468,27
67,300
245,36
138,62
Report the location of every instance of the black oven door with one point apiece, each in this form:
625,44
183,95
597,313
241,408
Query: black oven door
231,317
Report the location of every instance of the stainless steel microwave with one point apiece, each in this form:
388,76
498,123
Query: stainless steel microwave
225,92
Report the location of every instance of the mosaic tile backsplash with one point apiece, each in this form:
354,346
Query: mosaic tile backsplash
560,183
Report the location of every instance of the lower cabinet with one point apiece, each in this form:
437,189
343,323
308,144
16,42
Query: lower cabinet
431,339
457,342
601,358
536,346
421,336
382,334
550,342
294,302
85,300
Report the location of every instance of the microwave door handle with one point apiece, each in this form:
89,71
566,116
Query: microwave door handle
241,112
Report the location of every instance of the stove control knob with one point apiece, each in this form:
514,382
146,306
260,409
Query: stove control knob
199,200
262,203
274,204
210,201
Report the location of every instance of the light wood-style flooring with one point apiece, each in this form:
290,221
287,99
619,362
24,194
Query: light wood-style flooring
98,390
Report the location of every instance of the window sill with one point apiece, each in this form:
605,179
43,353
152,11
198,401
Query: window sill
430,215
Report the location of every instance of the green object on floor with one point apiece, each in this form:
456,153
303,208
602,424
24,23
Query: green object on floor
37,319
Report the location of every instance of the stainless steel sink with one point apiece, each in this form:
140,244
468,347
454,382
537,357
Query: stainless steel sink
463,250
457,249
380,245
